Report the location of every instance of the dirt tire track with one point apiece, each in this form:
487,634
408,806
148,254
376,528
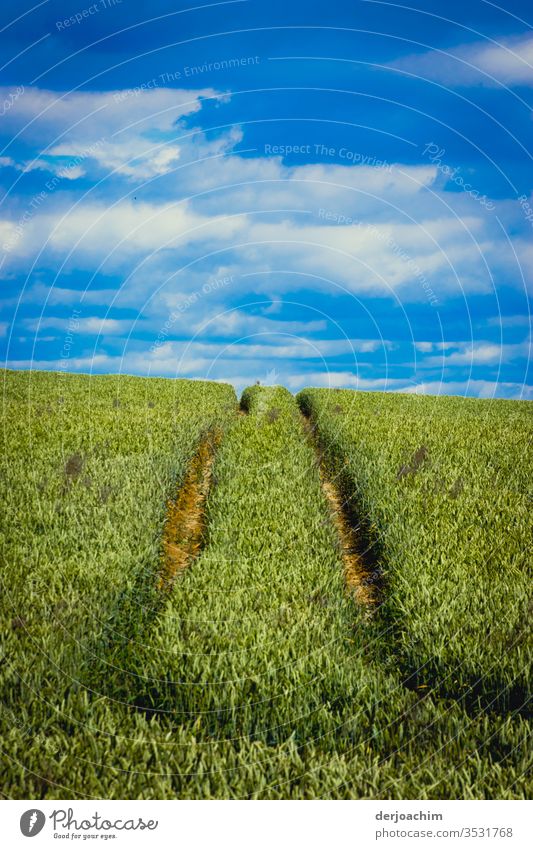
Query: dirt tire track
358,574
184,529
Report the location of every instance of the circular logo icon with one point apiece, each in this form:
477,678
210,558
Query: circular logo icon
32,822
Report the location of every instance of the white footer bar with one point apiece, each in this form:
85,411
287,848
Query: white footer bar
267,825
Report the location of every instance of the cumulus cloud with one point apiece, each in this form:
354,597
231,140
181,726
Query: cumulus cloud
135,158
472,353
431,256
480,353
47,117
510,321
351,380
96,231
90,325
478,388
506,62
100,132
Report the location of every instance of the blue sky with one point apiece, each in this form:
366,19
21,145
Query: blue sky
301,193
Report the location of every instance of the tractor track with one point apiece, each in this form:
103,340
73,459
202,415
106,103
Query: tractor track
359,575
185,524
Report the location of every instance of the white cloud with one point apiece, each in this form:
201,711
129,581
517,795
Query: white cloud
477,388
348,380
95,230
261,347
285,349
40,293
90,325
434,255
343,380
479,354
103,130
135,158
508,62
424,347
84,116
510,321
237,323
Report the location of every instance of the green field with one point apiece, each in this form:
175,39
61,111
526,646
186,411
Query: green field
245,665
